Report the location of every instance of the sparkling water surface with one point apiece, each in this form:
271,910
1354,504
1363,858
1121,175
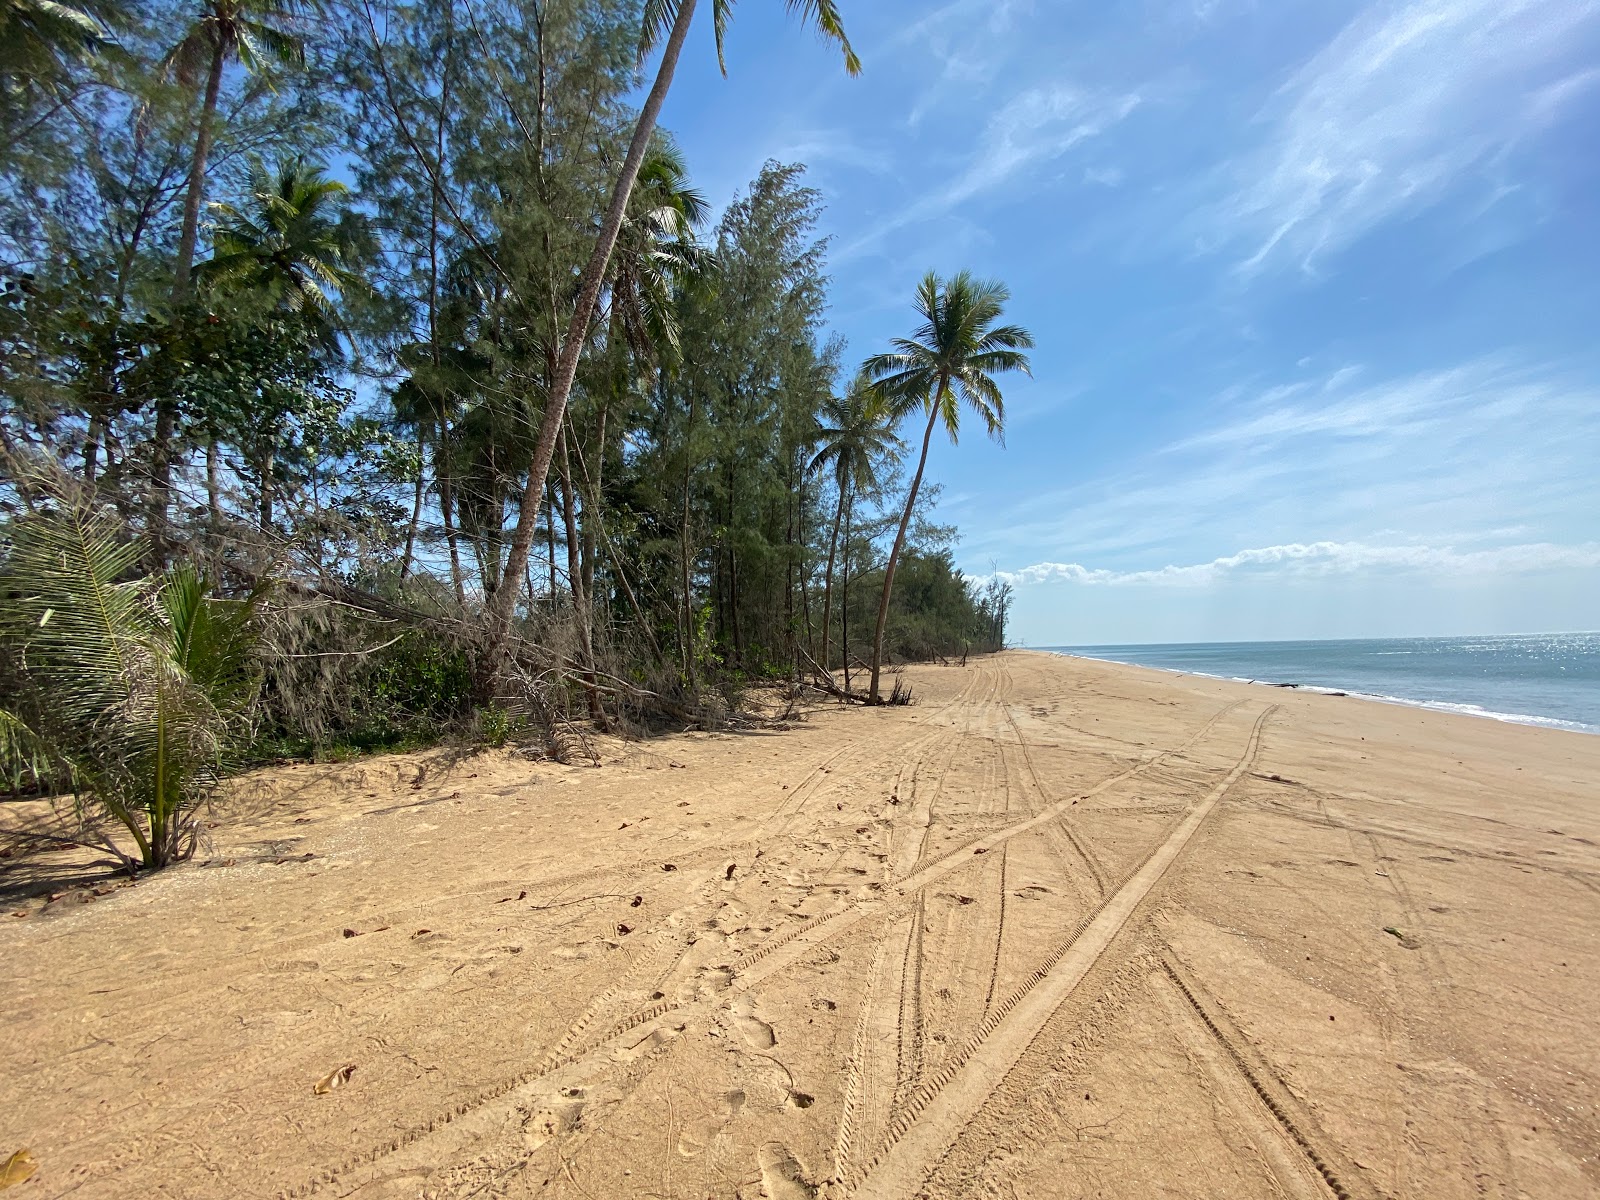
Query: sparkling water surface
1550,679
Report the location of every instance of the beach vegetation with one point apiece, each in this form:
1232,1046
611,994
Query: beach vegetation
127,691
419,324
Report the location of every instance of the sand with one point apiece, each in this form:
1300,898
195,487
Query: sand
1059,929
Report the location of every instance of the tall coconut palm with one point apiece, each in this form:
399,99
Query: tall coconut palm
672,19
856,434
287,252
288,248
257,34
949,361
655,247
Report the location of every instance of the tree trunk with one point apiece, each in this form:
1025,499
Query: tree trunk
166,408
686,630
91,447
416,513
805,586
577,333
844,596
550,533
213,482
580,602
447,508
194,197
264,498
899,541
827,585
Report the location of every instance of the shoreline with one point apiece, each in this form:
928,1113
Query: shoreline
1460,708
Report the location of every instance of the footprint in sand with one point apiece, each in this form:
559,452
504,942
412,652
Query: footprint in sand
782,1176
552,1116
752,1030
698,1135
713,980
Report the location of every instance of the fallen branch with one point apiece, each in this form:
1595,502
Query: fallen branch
825,682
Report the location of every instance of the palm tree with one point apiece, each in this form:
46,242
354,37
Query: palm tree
951,359
40,40
257,34
289,249
655,247
288,253
672,18
855,435
131,690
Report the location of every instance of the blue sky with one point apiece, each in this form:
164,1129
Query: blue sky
1316,288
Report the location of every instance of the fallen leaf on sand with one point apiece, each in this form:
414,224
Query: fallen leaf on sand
338,1077
19,1167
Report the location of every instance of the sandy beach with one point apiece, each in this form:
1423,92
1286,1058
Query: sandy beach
1059,929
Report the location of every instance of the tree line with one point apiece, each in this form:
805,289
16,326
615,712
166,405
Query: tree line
383,364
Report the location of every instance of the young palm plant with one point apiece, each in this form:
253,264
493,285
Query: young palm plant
856,434
949,361
131,689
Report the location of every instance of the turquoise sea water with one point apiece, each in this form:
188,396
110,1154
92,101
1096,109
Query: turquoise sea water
1550,679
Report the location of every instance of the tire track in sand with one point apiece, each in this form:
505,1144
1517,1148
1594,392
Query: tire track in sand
1283,1132
475,1115
939,1111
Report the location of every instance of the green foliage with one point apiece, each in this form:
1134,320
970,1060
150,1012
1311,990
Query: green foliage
347,388
131,690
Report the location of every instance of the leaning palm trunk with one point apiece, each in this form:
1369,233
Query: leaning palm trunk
503,603
899,542
132,689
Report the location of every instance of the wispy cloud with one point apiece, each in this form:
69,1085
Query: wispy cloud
1029,132
1464,399
1348,457
1391,117
1321,559
967,40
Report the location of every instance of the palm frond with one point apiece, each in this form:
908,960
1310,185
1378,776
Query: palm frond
824,14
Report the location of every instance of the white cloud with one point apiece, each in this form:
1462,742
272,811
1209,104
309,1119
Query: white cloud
1347,457
1392,116
1030,131
1324,558
1463,399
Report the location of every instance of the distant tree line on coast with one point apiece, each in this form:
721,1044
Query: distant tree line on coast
373,372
